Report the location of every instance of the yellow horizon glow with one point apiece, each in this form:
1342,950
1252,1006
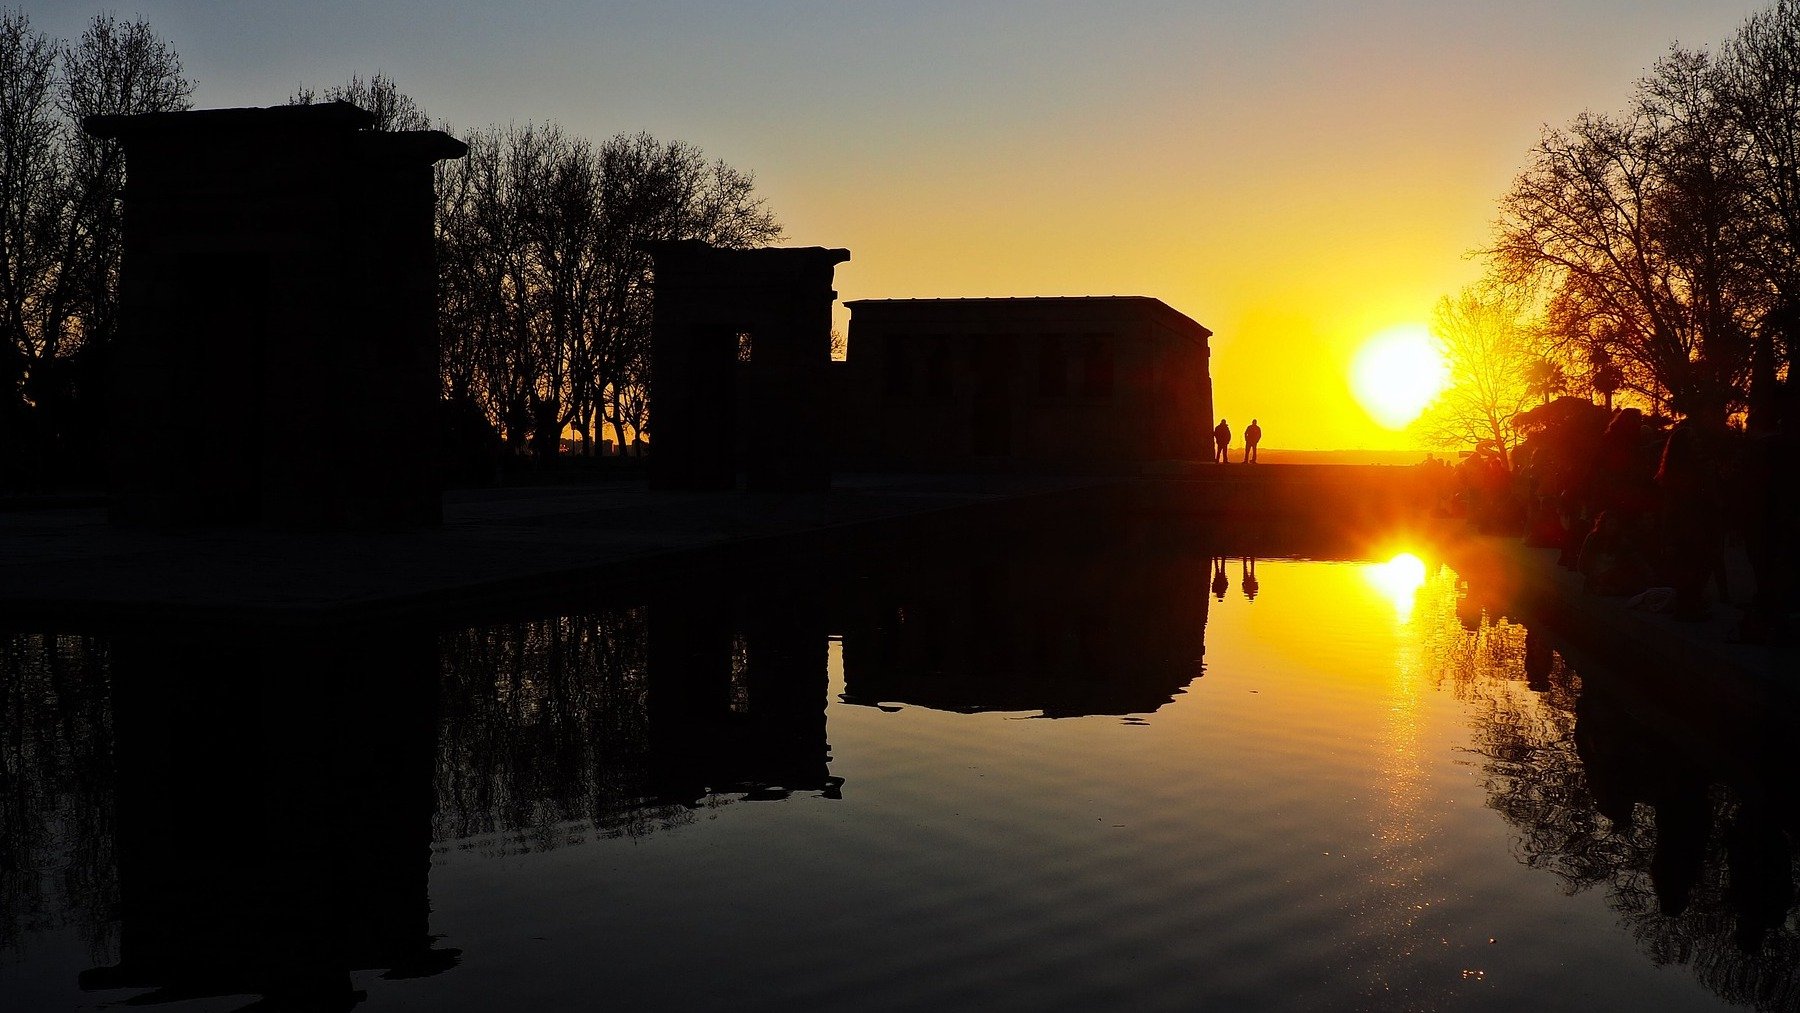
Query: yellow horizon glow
1289,308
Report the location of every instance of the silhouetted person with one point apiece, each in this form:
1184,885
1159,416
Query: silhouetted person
1619,758
1540,659
1683,822
1621,480
1610,561
1220,582
1221,441
1569,507
1760,865
1689,513
1771,498
1252,436
1248,572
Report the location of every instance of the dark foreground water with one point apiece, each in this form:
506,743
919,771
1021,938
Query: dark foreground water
1015,775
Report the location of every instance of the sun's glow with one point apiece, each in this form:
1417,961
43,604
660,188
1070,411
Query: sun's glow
1397,373
1399,580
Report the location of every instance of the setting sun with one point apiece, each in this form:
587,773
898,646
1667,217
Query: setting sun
1397,373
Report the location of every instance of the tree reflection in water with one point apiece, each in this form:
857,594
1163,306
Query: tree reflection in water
1677,806
543,735
626,721
535,733
225,810
57,865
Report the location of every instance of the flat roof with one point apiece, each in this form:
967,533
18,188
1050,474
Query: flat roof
1045,302
297,125
318,115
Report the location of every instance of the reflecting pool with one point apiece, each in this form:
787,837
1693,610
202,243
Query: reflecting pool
1028,774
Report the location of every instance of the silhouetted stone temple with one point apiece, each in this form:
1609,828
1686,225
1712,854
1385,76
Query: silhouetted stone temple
1084,382
741,346
277,356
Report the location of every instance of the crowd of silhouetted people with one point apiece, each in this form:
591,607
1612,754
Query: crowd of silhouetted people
1644,507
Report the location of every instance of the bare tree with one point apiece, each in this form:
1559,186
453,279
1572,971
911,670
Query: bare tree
1580,220
31,193
489,283
1703,221
60,217
116,69
1759,87
546,293
656,190
1644,229
560,191
393,108
1491,354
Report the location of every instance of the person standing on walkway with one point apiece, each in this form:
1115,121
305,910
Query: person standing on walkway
1221,440
1252,436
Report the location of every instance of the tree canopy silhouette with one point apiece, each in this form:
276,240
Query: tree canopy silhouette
60,227
1663,239
544,295
393,108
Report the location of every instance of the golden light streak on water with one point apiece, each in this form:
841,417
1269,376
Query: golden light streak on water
1399,580
1406,876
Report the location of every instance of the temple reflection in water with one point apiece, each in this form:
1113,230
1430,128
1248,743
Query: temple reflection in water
1098,628
258,811
274,804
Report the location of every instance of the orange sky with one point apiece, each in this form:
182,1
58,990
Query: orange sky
1297,175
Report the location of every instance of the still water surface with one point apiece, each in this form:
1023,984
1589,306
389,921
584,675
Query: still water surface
1104,779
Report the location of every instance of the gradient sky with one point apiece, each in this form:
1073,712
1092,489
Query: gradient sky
1296,175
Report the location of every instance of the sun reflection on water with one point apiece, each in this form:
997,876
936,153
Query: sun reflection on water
1399,580
1409,874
